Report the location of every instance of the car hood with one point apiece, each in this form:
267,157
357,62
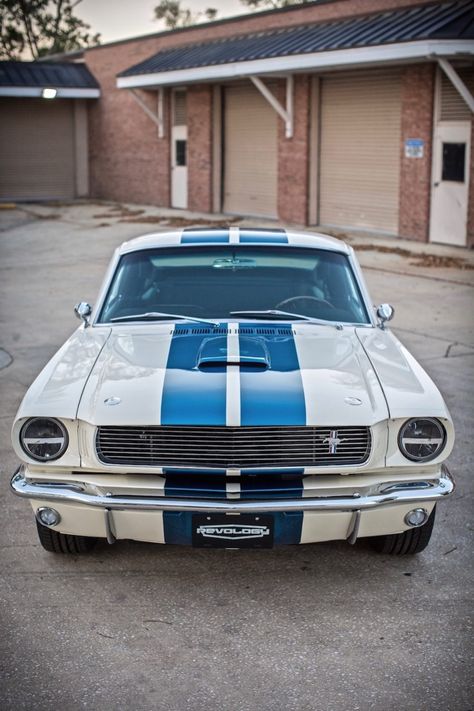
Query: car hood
238,374
57,390
303,374
408,389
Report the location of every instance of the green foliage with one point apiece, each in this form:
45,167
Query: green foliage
30,29
174,15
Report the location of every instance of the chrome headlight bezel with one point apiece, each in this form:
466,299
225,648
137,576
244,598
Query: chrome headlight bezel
433,421
62,434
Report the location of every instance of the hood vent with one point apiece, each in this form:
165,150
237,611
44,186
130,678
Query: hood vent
259,331
244,331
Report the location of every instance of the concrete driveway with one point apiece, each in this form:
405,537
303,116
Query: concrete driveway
324,627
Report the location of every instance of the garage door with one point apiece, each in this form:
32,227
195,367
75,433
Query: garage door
36,149
250,155
360,151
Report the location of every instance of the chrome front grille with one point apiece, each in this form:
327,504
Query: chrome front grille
233,447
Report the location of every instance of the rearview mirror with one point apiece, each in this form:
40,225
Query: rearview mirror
83,310
385,312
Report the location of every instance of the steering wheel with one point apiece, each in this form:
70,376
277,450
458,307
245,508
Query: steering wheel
285,302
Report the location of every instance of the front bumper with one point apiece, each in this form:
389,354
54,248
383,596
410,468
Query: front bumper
369,511
403,492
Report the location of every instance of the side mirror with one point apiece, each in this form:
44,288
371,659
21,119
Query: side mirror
83,310
385,312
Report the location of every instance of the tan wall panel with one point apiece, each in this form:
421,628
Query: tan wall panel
37,149
360,151
250,155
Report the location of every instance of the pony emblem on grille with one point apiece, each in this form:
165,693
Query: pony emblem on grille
333,441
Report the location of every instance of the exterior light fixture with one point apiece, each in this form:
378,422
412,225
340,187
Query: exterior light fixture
44,439
49,93
48,516
417,517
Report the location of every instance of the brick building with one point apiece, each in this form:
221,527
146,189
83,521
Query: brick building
343,113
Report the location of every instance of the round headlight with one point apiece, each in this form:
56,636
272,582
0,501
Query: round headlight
44,439
422,439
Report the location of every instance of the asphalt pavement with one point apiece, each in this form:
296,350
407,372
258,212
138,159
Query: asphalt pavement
325,627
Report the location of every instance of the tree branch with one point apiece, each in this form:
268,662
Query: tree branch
58,19
29,30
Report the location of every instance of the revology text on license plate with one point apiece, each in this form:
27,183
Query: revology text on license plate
230,531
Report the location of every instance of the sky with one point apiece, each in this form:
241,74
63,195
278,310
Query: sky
118,19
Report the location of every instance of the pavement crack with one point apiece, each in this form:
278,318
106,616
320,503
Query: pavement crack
451,550
6,358
429,359
433,337
448,349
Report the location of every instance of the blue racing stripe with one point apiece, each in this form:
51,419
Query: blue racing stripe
288,528
205,236
206,485
265,236
192,396
253,488
272,485
177,527
274,396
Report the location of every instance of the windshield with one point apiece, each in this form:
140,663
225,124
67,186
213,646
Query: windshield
214,281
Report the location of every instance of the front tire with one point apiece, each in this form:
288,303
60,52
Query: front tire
55,542
409,542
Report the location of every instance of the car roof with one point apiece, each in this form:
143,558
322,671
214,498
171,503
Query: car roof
234,235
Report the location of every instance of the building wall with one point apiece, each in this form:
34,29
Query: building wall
127,159
415,173
200,124
294,156
129,162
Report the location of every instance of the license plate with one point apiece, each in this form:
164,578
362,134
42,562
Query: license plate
231,531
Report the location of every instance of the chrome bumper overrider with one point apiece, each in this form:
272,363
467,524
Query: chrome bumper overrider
387,494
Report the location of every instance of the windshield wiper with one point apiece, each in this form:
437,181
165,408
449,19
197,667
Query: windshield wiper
275,313
158,315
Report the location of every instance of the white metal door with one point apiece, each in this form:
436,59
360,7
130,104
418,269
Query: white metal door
450,189
179,167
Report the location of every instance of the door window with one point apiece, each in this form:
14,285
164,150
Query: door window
180,152
454,155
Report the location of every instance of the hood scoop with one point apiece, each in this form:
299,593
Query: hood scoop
253,354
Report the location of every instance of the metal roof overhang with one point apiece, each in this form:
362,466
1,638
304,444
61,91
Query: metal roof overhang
61,92
359,57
